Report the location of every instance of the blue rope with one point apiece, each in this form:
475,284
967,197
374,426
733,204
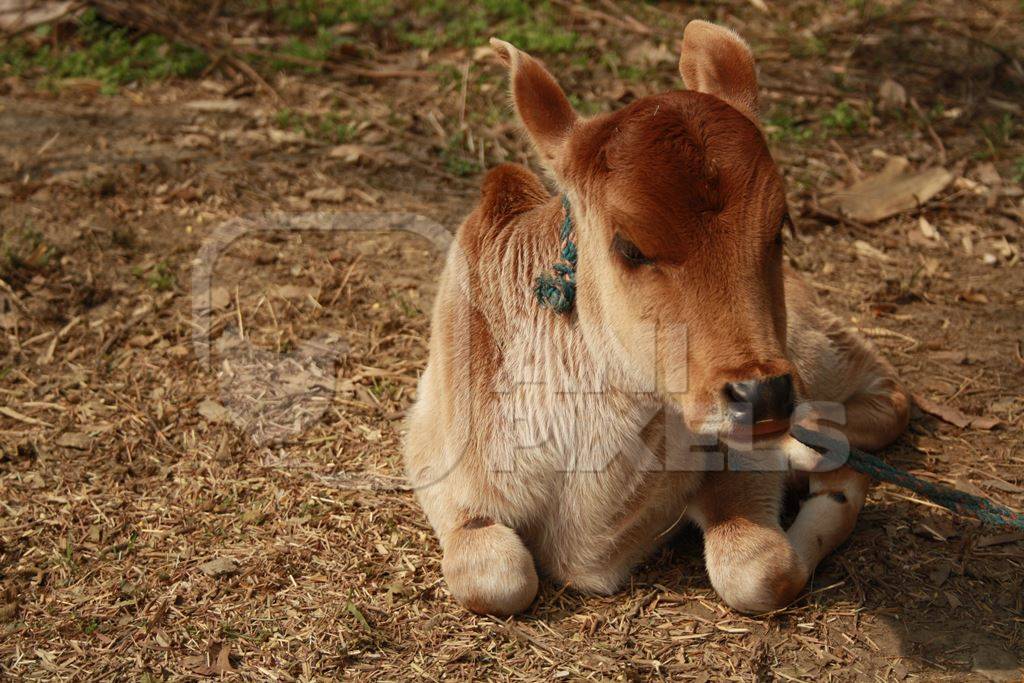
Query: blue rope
558,291
951,499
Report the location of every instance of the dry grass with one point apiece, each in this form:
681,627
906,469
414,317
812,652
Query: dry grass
165,517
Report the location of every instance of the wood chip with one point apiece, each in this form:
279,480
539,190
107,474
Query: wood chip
215,106
328,194
75,440
15,415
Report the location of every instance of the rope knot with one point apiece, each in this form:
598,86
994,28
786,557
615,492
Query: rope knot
558,291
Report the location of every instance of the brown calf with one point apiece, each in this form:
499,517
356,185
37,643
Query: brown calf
576,443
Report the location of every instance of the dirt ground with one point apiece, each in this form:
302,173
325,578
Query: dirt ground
201,476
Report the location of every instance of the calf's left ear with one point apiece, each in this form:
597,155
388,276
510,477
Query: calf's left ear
718,62
542,106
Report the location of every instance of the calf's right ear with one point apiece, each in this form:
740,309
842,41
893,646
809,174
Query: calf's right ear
543,108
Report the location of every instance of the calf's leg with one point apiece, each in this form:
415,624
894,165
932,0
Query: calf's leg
486,565
750,560
488,568
875,417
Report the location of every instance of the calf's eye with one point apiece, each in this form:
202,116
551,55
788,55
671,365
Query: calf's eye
629,251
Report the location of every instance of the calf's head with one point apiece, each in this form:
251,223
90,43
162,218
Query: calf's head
679,211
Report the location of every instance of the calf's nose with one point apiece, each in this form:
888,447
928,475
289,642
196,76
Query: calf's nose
760,400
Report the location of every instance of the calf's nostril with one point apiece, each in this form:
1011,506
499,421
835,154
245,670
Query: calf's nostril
741,392
761,399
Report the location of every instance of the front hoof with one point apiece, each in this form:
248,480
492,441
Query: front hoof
489,570
759,583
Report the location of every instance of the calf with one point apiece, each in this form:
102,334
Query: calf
575,442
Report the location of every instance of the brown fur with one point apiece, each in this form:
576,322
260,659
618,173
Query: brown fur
565,442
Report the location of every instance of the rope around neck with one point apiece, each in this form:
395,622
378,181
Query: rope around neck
558,292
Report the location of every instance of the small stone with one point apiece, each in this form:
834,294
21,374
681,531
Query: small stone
220,566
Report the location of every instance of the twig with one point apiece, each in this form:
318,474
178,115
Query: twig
342,68
246,69
626,22
931,131
462,96
215,10
50,18
15,415
815,209
14,297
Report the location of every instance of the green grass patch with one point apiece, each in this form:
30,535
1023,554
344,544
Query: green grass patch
997,135
530,27
98,50
25,252
312,16
844,118
783,127
805,47
328,127
456,158
160,277
1018,170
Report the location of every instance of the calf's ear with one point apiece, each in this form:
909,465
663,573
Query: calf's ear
542,106
718,62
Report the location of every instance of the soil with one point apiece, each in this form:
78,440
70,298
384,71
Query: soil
190,494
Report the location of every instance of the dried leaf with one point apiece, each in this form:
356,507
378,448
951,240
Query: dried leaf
286,137
213,411
985,423
865,249
328,194
889,192
1003,486
217,106
988,174
968,487
1000,539
194,141
219,297
954,416
892,95
349,153
220,566
973,297
215,662
941,572
75,440
945,413
927,229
